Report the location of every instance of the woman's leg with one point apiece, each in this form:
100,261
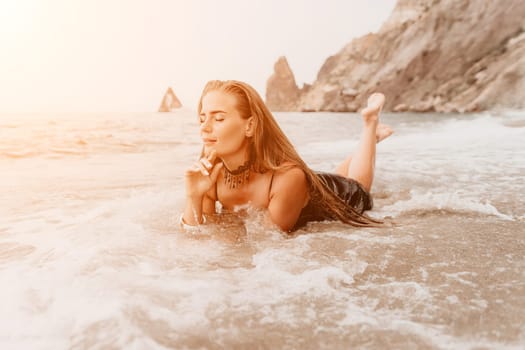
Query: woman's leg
382,132
360,166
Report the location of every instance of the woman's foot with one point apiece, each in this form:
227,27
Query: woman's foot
371,111
382,132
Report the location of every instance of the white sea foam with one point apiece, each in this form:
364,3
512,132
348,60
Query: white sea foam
429,201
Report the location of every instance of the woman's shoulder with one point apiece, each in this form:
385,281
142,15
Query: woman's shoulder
289,169
289,175
289,193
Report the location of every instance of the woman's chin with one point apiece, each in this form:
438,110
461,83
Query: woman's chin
209,147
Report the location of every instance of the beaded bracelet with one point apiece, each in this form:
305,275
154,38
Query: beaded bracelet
190,227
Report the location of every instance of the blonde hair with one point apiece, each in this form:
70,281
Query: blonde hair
271,150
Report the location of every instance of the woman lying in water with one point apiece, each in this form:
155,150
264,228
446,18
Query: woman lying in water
247,159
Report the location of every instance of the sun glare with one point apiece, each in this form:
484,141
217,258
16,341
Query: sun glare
16,17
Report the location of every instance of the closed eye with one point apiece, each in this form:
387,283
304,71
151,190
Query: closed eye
218,116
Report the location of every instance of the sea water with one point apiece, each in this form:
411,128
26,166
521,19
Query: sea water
91,254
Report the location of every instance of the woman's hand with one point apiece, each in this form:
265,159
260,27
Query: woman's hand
202,175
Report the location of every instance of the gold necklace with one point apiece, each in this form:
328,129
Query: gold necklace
238,177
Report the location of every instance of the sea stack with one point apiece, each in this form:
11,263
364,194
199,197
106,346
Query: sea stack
170,102
282,92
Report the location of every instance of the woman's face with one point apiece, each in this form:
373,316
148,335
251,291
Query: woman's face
222,127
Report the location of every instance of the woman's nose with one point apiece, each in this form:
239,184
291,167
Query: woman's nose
206,124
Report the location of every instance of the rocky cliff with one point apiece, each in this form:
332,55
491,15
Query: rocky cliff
170,102
430,55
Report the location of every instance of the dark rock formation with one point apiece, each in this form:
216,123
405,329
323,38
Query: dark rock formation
170,102
282,93
430,55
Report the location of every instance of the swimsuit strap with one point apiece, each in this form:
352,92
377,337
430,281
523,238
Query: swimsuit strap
270,187
216,192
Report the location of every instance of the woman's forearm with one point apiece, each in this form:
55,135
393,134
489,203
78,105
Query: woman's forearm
193,211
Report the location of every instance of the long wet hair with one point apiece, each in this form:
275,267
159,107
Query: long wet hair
271,150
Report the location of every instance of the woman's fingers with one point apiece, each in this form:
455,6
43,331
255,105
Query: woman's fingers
198,168
205,162
215,171
203,169
205,166
211,156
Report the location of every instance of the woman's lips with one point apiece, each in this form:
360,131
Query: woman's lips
209,141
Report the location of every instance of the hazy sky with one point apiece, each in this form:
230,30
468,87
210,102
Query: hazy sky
121,55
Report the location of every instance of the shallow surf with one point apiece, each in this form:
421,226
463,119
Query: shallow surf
91,254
